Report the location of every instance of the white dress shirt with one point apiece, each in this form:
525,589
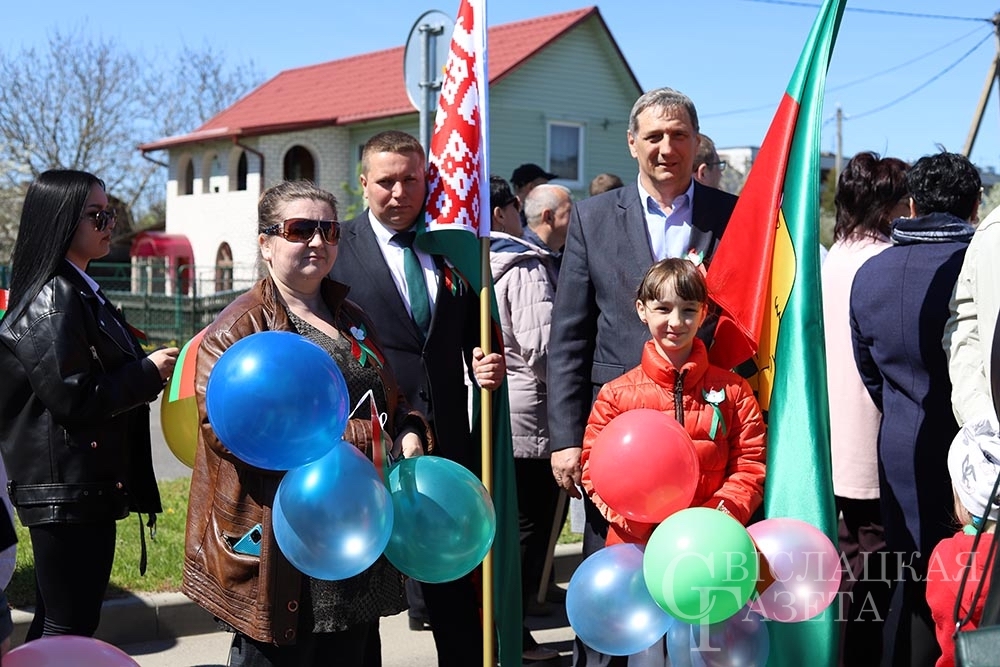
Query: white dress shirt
394,260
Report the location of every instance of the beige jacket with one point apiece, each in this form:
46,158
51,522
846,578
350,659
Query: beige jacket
968,334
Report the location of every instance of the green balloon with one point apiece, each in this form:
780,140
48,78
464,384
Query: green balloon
700,565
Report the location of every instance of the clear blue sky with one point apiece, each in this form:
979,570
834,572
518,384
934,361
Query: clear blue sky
728,55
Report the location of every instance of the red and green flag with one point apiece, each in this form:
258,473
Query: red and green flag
457,226
3,302
182,382
766,278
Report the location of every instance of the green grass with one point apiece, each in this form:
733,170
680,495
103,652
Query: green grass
569,537
165,554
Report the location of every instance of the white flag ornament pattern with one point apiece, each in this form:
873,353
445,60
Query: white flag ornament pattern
458,185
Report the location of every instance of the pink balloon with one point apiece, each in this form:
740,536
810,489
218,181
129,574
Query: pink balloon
644,465
66,650
805,565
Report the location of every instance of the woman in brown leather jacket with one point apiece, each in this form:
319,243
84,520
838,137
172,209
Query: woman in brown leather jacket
280,616
74,414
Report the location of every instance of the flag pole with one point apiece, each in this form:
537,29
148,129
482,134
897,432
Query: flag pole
486,414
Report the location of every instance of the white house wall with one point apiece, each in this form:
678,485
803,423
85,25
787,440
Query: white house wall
216,213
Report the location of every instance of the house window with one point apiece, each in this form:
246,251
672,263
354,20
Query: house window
241,172
566,151
186,184
224,268
212,174
299,164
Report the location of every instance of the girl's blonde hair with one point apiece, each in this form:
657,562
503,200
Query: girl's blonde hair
964,517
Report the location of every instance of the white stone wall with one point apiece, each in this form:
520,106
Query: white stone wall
216,212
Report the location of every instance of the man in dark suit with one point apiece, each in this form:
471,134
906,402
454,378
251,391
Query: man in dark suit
613,239
428,327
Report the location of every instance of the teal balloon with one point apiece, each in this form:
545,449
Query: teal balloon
700,565
444,519
332,518
608,605
277,400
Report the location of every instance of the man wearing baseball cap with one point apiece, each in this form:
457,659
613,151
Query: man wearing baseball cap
527,176
524,179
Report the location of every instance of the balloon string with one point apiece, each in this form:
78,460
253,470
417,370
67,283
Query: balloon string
369,395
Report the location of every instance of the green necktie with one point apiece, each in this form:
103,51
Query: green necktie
416,287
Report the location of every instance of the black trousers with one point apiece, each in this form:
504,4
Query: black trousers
357,646
72,570
537,498
866,590
453,609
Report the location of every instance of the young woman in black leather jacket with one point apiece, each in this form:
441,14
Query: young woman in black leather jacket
74,413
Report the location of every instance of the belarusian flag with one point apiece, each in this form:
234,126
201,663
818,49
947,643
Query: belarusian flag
766,277
3,302
458,227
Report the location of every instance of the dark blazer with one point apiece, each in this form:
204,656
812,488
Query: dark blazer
596,334
430,372
899,306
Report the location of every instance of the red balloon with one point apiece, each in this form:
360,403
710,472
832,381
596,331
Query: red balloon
644,465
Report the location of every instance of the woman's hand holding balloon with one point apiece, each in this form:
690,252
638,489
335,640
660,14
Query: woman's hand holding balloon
409,443
164,359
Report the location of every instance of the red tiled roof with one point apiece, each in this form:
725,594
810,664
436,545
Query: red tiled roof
364,87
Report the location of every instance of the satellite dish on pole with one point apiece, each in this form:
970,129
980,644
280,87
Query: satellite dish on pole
423,65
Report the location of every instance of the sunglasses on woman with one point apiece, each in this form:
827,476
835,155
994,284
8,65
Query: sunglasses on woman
102,219
301,230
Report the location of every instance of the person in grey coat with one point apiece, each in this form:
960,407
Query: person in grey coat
524,276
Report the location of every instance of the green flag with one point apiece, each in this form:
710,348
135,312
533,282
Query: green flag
766,278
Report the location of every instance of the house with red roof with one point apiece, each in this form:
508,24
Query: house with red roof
560,96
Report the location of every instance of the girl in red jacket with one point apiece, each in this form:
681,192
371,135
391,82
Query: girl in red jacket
973,463
716,407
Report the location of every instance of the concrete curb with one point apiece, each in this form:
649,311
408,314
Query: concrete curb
148,617
138,618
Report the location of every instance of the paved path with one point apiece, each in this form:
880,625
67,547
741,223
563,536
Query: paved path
400,646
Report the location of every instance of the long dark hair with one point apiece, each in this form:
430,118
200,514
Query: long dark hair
868,190
51,213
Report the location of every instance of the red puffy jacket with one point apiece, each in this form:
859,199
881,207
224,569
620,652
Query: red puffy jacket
944,574
732,463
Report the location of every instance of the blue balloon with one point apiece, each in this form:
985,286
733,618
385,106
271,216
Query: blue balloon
679,643
741,640
277,400
332,518
609,606
445,521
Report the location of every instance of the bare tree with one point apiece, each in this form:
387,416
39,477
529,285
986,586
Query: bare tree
85,103
73,106
201,84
